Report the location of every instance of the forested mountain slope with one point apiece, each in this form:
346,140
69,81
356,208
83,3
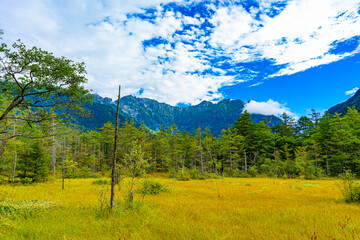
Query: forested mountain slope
154,114
354,101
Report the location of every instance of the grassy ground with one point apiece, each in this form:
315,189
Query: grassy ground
257,208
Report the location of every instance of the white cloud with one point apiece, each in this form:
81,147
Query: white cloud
302,66
299,37
352,91
179,69
256,84
192,21
270,107
232,24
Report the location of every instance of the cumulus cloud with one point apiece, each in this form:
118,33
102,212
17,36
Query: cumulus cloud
231,25
270,107
352,91
185,51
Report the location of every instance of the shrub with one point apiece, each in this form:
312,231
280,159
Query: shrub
240,174
101,182
184,177
195,174
96,175
26,181
102,208
310,173
3,181
152,187
184,174
85,172
349,188
81,172
267,168
228,172
320,173
252,171
211,175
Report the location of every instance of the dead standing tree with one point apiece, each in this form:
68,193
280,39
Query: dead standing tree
113,172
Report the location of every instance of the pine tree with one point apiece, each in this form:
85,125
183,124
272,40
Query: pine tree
33,163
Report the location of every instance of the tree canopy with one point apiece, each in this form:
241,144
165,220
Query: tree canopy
37,84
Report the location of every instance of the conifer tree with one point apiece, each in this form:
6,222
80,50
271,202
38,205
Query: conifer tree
33,163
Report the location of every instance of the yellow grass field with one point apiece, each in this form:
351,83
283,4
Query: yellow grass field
245,208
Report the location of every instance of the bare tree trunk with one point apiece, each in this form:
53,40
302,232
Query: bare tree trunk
316,159
171,153
183,164
327,164
131,195
230,157
75,147
211,158
94,153
53,147
63,165
15,153
119,179
275,170
201,157
162,159
3,141
113,173
84,154
99,159
245,162
155,161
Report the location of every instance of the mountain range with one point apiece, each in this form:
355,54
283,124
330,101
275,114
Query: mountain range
214,116
154,114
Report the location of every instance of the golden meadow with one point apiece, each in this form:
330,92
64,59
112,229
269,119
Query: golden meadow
229,208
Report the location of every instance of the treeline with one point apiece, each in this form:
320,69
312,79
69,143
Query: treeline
311,147
39,91
36,90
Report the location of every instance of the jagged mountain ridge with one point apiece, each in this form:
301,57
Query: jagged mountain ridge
216,117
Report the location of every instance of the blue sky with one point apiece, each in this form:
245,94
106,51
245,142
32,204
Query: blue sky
284,56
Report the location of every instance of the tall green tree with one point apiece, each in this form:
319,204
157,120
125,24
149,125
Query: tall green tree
34,79
33,163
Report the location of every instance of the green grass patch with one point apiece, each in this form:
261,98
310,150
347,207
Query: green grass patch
152,187
23,208
101,182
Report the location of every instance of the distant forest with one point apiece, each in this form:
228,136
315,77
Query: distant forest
39,93
312,147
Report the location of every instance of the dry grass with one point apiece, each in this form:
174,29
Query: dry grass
257,208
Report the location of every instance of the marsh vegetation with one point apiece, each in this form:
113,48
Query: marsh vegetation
230,208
